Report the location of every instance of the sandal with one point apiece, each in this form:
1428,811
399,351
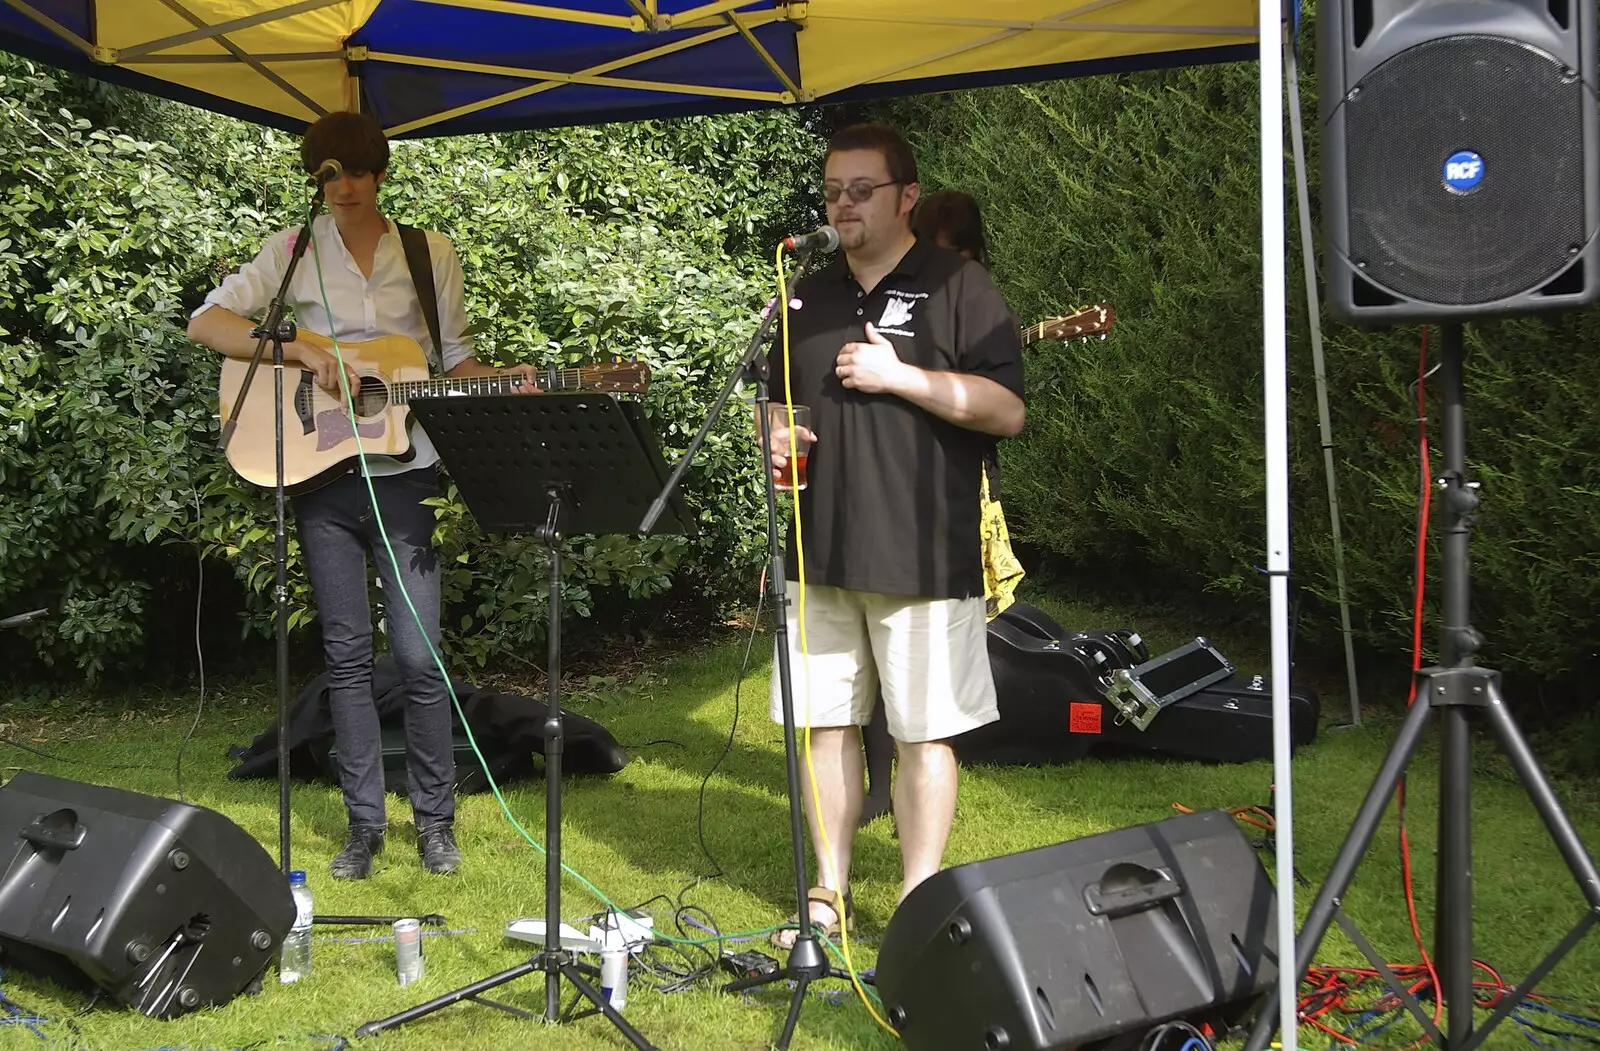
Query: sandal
818,896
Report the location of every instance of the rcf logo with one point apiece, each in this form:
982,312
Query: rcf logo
1463,171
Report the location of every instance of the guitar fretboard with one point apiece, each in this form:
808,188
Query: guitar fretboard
499,383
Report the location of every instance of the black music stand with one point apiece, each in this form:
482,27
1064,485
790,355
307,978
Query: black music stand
547,464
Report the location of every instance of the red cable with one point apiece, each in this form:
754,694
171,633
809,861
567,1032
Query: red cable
1330,991
1333,986
1416,659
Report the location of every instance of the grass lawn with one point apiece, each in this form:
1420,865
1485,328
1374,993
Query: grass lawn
634,836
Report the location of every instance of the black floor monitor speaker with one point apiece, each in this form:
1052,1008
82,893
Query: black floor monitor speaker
1460,162
1085,944
167,907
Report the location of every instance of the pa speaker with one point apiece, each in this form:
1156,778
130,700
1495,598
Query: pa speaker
1459,157
1085,942
167,907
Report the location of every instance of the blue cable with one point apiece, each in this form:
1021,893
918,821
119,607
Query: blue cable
16,1015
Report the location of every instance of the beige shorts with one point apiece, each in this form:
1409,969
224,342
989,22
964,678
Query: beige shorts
930,656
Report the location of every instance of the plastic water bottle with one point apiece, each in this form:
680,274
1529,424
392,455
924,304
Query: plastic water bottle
614,968
296,961
614,977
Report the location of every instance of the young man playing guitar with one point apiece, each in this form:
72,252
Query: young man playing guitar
357,256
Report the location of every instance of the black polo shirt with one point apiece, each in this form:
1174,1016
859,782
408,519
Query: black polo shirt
892,502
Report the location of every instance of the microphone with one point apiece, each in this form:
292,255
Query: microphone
825,238
329,171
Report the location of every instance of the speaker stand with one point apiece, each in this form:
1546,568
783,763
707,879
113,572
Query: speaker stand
1460,692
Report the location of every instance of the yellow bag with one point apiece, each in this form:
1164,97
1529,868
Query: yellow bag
1001,570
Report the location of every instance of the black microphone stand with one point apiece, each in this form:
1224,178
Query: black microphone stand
807,960
277,331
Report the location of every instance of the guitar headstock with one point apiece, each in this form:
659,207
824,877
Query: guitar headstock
632,377
1080,324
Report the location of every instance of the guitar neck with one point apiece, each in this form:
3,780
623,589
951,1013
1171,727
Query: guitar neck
498,383
1032,333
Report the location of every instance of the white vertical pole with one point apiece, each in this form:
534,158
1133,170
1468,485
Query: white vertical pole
1275,377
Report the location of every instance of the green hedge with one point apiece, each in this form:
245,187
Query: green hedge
1143,458
117,214
1142,461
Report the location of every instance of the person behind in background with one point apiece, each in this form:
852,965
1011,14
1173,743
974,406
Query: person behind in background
950,219
911,364
356,253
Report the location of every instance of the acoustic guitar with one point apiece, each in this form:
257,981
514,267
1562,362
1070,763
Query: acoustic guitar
318,441
1080,324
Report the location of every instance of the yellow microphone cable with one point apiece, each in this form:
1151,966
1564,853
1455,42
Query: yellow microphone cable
805,657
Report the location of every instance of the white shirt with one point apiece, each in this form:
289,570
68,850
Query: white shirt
363,308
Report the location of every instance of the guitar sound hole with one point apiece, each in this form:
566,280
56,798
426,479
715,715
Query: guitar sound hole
373,397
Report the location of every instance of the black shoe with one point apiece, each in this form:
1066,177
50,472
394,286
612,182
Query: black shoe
355,860
437,845
874,807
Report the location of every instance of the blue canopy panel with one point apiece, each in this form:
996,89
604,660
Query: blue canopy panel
449,67
711,63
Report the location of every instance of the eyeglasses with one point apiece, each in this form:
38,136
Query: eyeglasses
860,192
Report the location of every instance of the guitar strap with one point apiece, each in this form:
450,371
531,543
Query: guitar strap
415,242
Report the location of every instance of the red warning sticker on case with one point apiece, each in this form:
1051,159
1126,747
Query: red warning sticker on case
1083,718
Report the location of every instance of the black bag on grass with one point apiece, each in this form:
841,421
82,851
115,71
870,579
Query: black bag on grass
509,729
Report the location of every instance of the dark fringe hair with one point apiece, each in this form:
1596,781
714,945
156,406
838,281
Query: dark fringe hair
355,140
954,214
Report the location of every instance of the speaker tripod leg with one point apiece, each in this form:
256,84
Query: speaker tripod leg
1348,859
1562,832
1453,903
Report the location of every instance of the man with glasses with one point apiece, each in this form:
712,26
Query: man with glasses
911,363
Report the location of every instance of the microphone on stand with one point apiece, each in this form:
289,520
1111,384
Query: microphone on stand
823,238
328,172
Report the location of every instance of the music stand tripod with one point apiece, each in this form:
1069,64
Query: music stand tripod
547,465
1459,690
807,961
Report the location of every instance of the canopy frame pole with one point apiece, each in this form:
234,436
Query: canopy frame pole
1275,385
1308,256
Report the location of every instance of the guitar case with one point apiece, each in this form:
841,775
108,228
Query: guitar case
1051,684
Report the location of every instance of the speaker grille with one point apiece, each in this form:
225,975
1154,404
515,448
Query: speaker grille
1516,107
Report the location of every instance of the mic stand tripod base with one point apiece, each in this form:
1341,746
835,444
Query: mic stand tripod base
807,963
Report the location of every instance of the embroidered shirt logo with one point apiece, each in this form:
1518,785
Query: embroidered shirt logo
896,312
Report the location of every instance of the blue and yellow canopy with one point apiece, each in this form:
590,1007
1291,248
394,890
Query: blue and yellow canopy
438,67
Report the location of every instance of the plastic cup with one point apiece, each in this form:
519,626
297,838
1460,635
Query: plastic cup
793,474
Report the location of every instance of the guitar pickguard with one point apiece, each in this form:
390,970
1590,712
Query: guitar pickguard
333,427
